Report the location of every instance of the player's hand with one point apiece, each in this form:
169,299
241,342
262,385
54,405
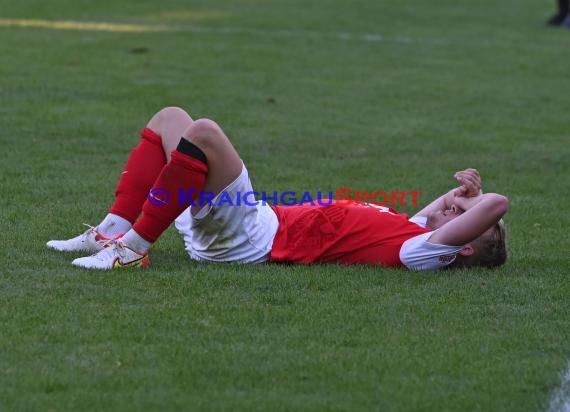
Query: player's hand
470,183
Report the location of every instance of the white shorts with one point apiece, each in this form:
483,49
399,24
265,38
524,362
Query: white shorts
228,232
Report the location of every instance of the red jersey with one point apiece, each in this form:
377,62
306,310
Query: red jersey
349,234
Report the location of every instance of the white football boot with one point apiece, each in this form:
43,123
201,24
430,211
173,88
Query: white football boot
89,241
115,255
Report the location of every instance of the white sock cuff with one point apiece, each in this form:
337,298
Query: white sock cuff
133,240
113,225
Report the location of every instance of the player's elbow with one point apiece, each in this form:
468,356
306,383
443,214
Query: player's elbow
500,203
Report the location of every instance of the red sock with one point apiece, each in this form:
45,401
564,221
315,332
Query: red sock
144,165
182,173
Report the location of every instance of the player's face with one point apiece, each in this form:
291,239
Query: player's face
441,217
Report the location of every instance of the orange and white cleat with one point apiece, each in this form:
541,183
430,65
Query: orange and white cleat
115,255
89,241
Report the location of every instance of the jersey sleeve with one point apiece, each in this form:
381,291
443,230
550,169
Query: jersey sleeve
418,254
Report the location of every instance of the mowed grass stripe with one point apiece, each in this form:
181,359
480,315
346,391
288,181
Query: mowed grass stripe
281,33
89,26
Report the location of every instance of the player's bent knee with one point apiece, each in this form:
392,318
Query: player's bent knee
205,133
166,116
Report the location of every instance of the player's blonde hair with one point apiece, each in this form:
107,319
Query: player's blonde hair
490,249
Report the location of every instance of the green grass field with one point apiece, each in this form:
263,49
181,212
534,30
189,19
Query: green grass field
316,95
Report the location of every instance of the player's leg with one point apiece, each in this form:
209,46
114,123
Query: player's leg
224,162
562,16
170,123
143,166
563,7
145,163
204,160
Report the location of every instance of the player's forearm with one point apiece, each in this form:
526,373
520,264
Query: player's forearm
442,203
470,189
482,213
467,203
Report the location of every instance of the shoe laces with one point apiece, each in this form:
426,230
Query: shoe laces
103,240
111,248
91,229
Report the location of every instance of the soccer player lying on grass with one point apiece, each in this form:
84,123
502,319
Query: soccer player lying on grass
461,228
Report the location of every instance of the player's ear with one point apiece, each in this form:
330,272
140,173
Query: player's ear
467,250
